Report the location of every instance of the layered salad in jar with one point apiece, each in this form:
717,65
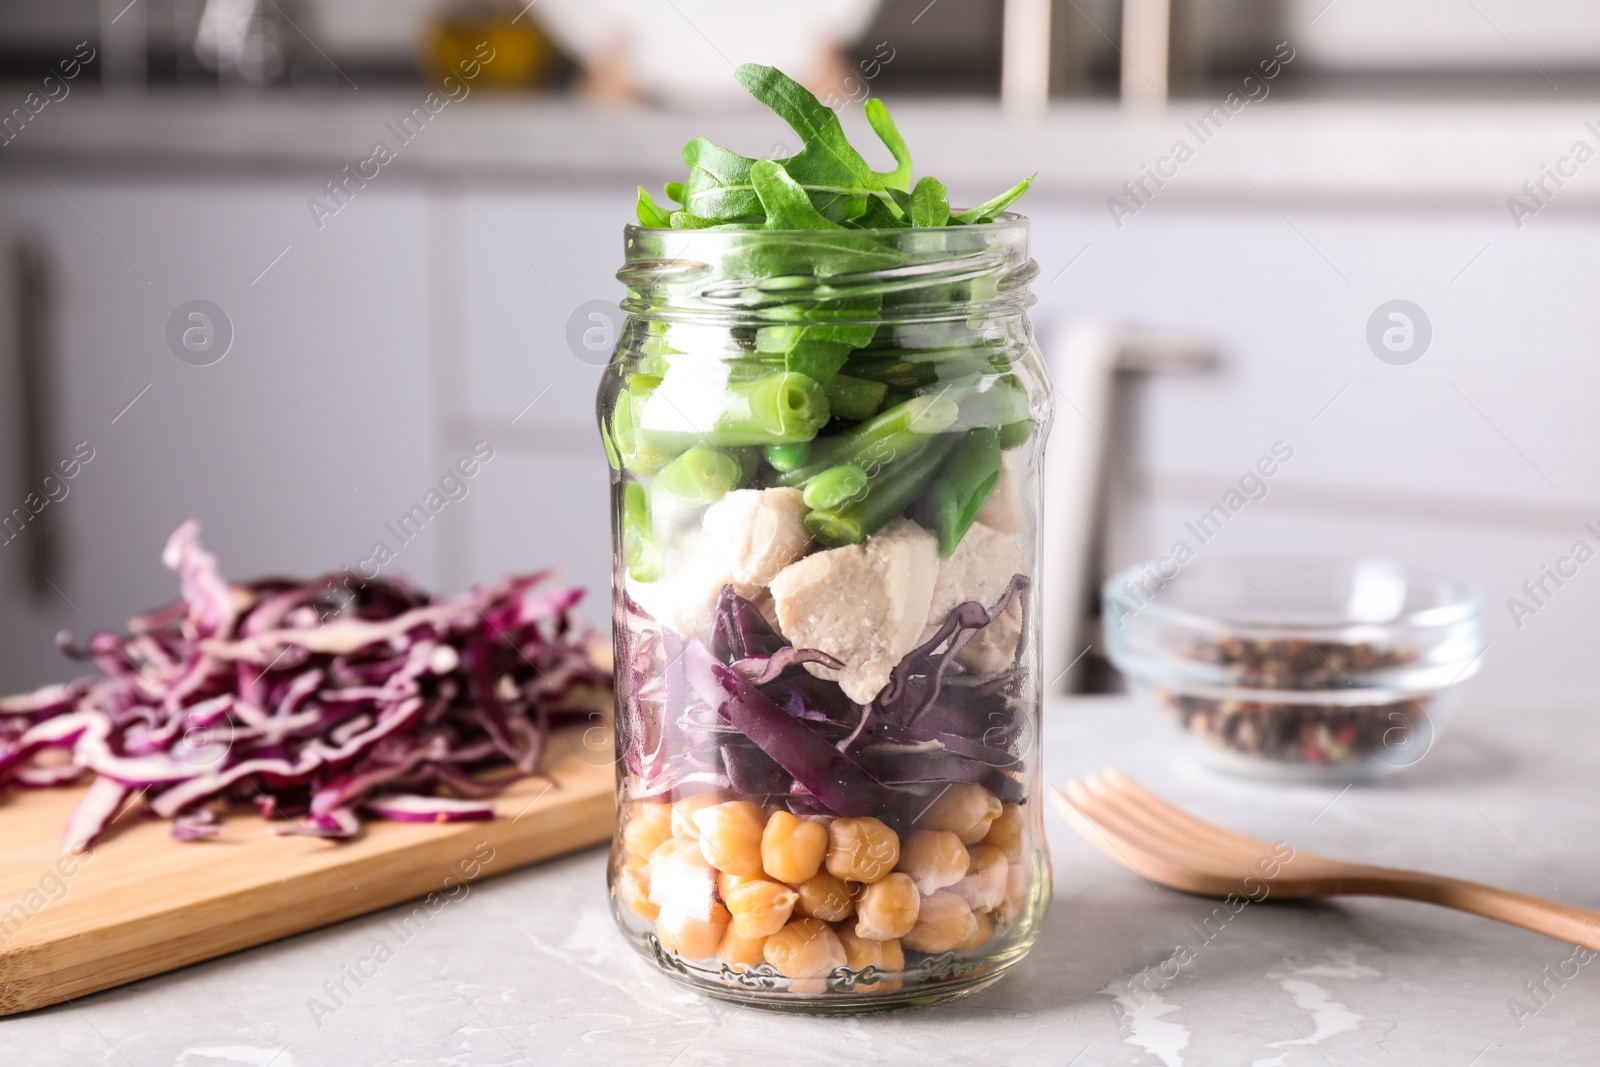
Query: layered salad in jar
826,535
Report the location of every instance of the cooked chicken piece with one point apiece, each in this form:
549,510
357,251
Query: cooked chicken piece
685,599
756,533
980,568
745,539
864,604
1002,512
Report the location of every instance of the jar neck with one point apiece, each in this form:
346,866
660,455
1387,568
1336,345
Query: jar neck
829,278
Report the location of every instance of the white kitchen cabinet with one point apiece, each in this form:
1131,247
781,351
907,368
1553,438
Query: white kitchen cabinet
533,510
293,450
1483,457
524,261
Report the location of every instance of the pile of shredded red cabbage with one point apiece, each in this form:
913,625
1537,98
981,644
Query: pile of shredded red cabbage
313,701
745,715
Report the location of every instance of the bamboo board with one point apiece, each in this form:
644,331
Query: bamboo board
142,903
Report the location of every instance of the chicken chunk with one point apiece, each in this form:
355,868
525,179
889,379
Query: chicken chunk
693,573
744,539
980,569
863,604
1002,512
686,599
756,533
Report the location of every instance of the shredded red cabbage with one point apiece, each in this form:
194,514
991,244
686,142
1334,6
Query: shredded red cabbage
744,714
310,700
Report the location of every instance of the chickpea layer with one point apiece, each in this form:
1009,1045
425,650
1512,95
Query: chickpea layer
724,880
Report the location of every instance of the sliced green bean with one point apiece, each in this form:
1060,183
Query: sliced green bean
1013,434
634,451
953,499
834,487
639,545
782,408
787,457
917,374
854,398
879,441
700,475
886,496
1003,403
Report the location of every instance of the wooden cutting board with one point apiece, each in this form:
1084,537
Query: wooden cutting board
142,903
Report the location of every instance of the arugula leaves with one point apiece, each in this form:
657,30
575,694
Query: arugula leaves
783,200
989,210
825,185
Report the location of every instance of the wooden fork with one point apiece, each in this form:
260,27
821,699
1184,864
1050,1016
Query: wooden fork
1173,848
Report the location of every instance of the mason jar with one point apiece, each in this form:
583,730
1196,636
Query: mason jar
825,452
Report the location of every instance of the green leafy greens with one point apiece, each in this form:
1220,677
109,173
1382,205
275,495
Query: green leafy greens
826,185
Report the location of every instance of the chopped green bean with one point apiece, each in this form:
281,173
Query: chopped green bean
749,464
787,457
633,450
854,398
782,408
701,475
886,496
896,397
1003,403
879,441
916,374
1013,434
639,545
962,485
834,487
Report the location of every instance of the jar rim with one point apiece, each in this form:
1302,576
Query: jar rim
1005,221
825,277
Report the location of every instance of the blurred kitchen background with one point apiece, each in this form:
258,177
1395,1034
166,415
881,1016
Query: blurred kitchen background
217,299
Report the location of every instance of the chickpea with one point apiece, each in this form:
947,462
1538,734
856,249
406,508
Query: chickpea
964,809
683,811
861,850
825,897
806,951
739,951
984,887
792,849
759,907
944,922
886,956
633,887
982,930
648,824
1016,893
887,908
1005,833
730,883
730,836
934,859
692,937
680,877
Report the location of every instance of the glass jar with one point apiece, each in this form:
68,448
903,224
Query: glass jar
825,451
1305,669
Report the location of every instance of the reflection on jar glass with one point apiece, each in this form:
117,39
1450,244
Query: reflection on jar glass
825,456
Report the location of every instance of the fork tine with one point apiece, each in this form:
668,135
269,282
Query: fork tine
1153,868
1104,811
1112,845
1178,818
1208,845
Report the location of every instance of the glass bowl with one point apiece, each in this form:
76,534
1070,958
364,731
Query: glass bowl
1309,669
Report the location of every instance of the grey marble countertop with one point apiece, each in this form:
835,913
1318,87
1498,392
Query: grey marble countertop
526,968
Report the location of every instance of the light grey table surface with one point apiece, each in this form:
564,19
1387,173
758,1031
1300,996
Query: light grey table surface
526,968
